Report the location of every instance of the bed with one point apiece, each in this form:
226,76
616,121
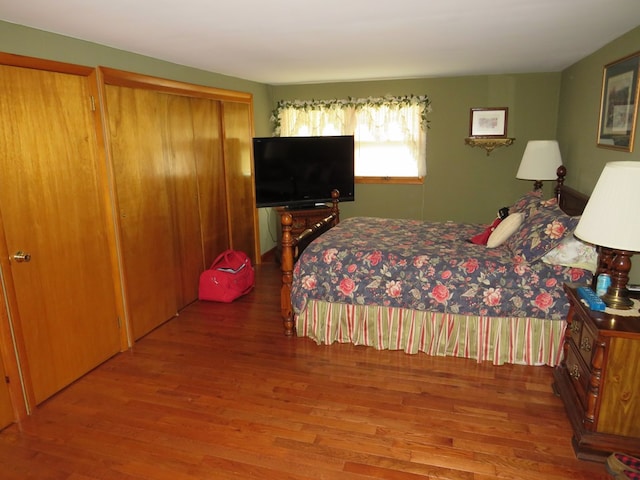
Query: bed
425,287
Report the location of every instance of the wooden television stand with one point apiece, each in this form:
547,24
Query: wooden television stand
303,218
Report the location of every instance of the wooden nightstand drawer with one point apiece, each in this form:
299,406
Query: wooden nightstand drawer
575,328
583,337
298,225
578,373
587,344
599,380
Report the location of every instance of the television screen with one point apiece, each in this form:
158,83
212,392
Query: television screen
300,172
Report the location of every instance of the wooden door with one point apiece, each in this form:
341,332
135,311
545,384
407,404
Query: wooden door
238,132
151,143
211,185
180,147
51,208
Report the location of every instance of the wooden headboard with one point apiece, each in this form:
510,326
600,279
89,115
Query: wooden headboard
571,201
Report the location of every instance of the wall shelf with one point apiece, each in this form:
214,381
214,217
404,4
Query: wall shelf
489,144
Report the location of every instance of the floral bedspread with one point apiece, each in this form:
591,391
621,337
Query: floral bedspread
427,266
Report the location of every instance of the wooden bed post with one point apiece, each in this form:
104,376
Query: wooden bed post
286,266
335,198
561,173
291,248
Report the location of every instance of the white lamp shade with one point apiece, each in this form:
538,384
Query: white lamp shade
540,161
611,217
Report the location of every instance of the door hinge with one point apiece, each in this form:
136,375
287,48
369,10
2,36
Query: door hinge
92,102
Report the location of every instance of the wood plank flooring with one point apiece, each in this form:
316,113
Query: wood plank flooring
219,393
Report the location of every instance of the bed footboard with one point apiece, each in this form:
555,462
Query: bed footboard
292,247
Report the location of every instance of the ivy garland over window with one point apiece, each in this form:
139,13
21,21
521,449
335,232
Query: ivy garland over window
356,103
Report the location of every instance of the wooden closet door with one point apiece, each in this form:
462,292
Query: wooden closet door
211,185
180,150
238,132
151,141
52,209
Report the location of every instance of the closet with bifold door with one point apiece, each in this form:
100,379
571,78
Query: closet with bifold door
236,118
117,191
183,187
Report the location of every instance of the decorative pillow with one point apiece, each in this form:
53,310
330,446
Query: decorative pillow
507,227
481,238
528,203
541,232
573,252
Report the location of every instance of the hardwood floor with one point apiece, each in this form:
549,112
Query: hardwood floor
219,393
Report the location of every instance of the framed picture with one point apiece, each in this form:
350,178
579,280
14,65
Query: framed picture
488,122
619,104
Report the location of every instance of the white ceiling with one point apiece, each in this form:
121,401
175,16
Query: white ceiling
298,41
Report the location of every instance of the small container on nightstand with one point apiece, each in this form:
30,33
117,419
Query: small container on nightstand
599,380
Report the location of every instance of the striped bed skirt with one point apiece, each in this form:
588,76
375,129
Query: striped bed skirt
525,341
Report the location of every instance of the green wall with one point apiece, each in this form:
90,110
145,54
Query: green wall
578,118
579,113
462,183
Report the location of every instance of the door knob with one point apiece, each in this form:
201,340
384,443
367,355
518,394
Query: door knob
21,256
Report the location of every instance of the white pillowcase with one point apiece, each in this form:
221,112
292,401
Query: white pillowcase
505,229
572,252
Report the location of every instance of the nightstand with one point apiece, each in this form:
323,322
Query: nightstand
599,380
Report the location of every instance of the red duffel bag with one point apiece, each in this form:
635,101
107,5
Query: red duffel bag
230,276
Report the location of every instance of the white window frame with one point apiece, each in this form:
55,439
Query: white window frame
388,131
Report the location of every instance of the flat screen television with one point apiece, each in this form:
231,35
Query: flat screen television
301,172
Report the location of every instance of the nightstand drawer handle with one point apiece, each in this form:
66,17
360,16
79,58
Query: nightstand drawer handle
585,345
574,372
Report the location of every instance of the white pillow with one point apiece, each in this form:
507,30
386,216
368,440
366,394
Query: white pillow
572,252
505,229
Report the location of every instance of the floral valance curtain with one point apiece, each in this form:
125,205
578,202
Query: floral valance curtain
390,120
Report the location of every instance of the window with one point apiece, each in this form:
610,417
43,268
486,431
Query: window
390,132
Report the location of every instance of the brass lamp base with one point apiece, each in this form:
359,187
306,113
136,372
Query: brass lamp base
618,299
617,295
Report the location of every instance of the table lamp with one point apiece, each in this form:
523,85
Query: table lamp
540,161
611,220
